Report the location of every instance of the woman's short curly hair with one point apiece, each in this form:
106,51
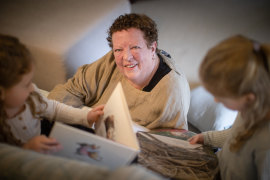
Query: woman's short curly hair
139,21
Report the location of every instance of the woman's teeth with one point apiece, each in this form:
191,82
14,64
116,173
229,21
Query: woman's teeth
130,66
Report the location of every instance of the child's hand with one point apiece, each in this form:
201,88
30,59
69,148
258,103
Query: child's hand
95,114
196,139
42,144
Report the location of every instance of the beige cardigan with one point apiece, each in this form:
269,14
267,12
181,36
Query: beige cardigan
165,106
252,161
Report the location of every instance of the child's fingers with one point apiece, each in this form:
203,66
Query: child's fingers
42,144
48,141
99,113
191,140
99,108
194,139
51,145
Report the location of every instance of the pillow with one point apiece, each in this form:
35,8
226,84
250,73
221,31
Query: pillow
205,114
18,163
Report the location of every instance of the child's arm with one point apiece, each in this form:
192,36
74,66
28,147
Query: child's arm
197,139
64,113
68,114
216,138
212,138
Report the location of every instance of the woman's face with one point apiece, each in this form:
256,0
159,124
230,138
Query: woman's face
133,58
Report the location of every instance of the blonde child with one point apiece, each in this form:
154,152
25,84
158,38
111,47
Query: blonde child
22,106
236,72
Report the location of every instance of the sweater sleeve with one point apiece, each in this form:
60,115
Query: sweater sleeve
216,138
56,111
261,152
87,85
263,164
70,93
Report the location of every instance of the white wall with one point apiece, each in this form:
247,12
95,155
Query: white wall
188,28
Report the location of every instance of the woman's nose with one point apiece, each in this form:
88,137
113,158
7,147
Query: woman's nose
127,55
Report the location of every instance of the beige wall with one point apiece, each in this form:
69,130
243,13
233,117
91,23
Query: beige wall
61,34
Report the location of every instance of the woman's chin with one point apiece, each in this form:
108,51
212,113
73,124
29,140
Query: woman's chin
131,75
131,78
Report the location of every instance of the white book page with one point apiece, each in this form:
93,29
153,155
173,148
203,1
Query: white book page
136,127
84,146
175,142
123,131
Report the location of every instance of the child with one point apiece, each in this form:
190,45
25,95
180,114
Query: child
236,72
22,106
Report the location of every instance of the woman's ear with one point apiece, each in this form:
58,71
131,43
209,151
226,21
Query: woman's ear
154,46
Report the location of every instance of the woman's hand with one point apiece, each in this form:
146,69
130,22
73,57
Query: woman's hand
43,144
95,114
197,139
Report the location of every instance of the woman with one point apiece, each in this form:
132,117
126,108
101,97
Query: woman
157,94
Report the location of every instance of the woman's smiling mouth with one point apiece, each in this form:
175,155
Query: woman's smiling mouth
130,65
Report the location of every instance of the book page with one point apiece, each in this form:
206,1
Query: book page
117,108
174,142
136,128
88,147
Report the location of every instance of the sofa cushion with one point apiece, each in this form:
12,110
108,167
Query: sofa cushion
17,163
205,114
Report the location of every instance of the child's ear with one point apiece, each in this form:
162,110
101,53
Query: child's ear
250,98
2,93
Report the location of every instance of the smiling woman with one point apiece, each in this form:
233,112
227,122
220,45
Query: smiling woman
134,59
157,93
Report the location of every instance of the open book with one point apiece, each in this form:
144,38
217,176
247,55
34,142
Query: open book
94,148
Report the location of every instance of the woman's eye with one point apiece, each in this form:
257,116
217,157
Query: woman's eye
136,47
117,50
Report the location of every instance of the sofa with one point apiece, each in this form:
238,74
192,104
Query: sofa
17,163
207,115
